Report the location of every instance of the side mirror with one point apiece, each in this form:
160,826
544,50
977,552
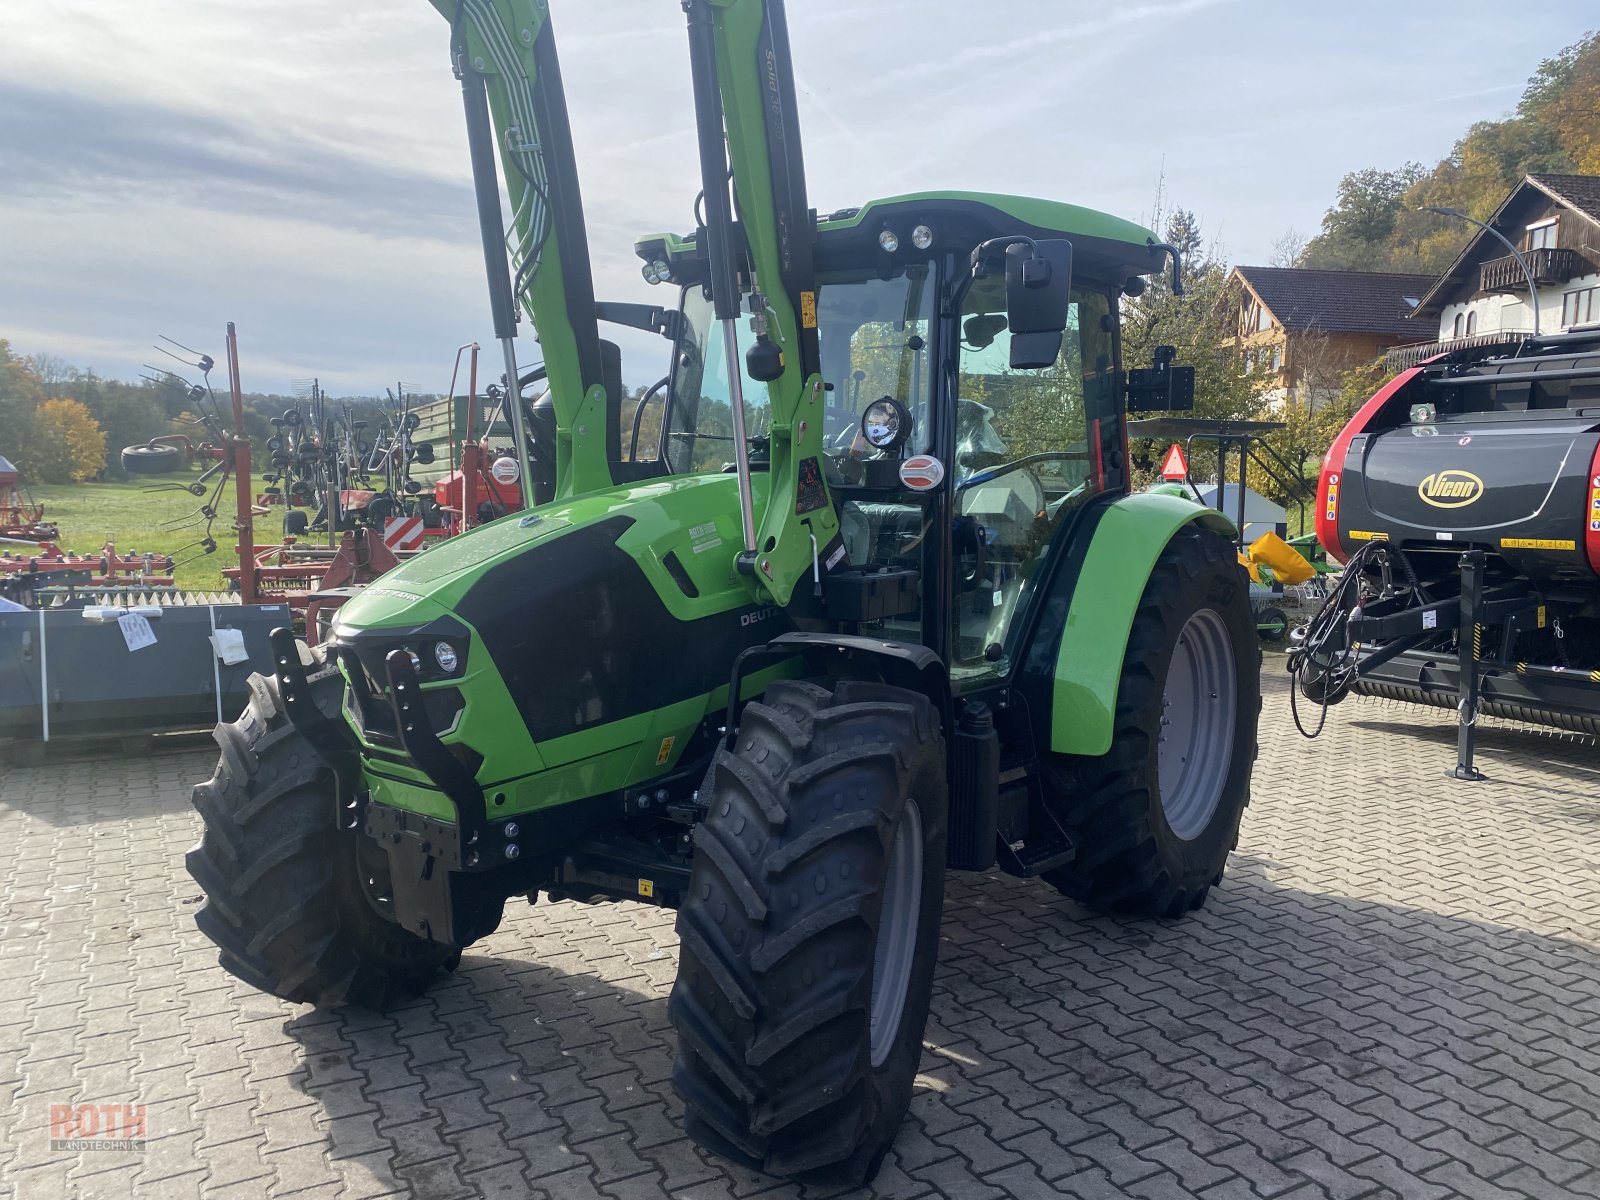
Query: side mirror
1038,292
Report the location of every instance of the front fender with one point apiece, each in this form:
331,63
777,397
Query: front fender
1123,550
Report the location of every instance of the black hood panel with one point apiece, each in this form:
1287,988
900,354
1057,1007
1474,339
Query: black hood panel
581,638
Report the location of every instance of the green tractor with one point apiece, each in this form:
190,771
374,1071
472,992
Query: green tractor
866,601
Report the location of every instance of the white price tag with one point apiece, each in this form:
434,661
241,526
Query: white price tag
1430,619
136,631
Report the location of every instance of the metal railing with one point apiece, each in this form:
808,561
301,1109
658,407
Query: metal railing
1402,357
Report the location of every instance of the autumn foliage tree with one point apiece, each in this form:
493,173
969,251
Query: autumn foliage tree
1375,223
75,443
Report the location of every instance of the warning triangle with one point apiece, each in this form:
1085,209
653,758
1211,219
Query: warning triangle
1175,465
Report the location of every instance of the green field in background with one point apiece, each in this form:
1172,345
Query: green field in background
164,521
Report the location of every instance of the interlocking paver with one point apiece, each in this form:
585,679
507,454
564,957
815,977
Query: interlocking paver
1395,992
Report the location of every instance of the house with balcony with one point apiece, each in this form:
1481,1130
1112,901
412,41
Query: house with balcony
1308,327
1483,298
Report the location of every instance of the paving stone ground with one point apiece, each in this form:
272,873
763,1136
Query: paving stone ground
1396,992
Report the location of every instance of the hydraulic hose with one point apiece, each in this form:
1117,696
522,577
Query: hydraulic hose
1336,662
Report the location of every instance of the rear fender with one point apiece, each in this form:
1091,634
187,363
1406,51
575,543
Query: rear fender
1122,552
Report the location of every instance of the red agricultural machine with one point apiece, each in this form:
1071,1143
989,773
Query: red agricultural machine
352,505
21,517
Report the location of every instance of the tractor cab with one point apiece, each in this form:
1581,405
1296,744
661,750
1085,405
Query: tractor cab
952,461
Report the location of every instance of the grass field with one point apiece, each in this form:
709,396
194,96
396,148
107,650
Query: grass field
137,518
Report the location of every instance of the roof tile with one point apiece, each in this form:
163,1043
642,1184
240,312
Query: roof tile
1338,301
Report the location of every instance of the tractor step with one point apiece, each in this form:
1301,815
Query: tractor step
1036,856
1044,847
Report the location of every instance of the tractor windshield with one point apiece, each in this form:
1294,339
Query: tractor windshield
874,335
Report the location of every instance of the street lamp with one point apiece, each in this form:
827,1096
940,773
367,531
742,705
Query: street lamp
1527,274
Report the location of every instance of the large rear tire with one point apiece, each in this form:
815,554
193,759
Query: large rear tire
1156,817
293,901
811,929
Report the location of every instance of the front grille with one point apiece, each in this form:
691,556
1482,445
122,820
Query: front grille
369,695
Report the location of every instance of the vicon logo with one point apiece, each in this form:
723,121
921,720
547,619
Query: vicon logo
1450,489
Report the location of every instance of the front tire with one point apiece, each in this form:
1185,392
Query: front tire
810,930
1156,816
291,899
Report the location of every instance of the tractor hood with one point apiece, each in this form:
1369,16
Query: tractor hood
560,635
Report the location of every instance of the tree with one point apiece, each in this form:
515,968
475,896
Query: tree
1288,249
1571,110
1355,231
1202,325
1310,429
20,396
1374,223
77,444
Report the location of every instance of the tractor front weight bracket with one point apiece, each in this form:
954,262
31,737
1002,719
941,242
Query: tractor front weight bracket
327,735
431,756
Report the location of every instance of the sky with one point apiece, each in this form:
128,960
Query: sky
299,167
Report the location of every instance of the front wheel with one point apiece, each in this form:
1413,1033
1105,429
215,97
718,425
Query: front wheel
810,930
294,902
1156,816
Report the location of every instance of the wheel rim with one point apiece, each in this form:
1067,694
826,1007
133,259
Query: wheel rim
896,950
1197,722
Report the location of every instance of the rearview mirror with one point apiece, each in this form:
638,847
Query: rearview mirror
1038,291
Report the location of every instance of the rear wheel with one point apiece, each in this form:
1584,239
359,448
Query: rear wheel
810,930
1156,816
295,903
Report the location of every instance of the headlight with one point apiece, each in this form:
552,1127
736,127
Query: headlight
657,272
889,240
922,237
885,423
445,655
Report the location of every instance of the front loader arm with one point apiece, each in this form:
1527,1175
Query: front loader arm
506,49
755,83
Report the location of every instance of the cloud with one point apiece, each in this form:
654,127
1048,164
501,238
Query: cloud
125,148
1069,29
300,166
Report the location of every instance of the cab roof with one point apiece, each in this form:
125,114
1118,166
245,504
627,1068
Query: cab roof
1105,248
